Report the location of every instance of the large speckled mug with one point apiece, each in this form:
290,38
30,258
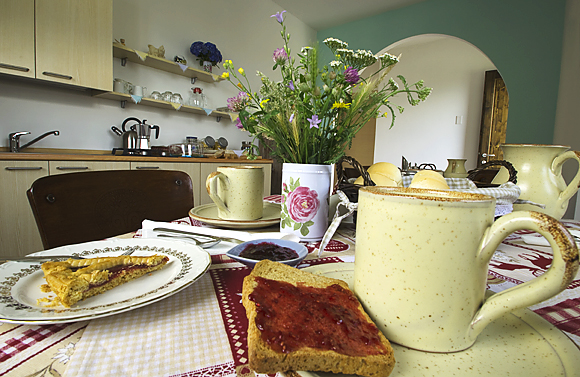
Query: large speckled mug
237,191
421,263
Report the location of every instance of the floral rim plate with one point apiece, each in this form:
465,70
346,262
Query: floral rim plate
511,345
208,213
20,282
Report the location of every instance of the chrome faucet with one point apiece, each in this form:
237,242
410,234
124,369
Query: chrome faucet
15,139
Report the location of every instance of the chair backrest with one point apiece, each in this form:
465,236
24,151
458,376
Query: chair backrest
88,206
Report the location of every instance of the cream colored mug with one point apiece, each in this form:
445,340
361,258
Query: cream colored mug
421,262
237,191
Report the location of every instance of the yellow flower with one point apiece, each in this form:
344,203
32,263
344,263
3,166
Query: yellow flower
241,70
240,86
338,105
264,101
225,75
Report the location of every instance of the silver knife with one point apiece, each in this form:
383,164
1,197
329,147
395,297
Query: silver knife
33,259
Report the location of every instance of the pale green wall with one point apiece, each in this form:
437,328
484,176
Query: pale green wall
522,37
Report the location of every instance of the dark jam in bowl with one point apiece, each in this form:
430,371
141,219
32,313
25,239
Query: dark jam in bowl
268,250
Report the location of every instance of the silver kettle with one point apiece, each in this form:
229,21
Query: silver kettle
130,136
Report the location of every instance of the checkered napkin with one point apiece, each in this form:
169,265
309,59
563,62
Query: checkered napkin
182,333
505,195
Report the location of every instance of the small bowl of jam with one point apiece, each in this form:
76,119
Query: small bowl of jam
283,251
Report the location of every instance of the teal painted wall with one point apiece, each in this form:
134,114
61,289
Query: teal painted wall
522,37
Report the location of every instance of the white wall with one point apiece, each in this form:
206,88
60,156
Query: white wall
428,133
242,30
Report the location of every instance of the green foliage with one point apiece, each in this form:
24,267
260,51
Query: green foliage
311,124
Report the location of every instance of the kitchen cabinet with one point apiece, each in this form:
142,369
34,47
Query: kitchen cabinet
18,234
17,41
71,41
208,168
193,169
60,167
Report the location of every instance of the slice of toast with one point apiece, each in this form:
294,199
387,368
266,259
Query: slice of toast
302,302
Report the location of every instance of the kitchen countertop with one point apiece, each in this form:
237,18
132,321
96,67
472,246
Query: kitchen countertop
95,156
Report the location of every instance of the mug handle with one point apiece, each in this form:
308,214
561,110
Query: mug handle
571,189
211,187
553,281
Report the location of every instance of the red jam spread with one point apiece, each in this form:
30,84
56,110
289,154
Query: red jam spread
268,250
291,317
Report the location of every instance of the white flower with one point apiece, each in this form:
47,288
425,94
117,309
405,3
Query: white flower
63,355
335,64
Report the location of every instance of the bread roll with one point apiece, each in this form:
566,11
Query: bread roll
429,179
383,174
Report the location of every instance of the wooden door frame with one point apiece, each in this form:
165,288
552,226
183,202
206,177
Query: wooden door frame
492,132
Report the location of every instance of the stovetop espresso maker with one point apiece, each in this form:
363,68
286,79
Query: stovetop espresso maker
142,131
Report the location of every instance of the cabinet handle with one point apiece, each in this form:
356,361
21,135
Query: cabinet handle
57,75
23,168
14,67
72,167
147,167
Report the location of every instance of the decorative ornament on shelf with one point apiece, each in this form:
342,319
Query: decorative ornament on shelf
207,53
309,127
158,52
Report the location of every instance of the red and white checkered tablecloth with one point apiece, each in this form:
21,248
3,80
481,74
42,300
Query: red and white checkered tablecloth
200,331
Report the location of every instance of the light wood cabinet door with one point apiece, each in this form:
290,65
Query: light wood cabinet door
18,234
210,167
73,42
17,37
190,168
60,167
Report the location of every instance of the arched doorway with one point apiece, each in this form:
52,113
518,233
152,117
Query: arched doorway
447,124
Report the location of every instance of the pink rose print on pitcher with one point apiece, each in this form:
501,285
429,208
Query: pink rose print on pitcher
299,206
302,204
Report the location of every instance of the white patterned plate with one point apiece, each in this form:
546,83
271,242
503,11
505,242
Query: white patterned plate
20,282
518,344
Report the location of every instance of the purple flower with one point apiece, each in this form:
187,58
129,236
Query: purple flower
280,56
238,102
351,75
291,118
239,124
279,16
291,85
314,121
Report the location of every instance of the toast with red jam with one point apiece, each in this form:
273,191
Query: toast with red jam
301,321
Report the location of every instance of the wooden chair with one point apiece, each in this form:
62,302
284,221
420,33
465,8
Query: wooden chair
88,206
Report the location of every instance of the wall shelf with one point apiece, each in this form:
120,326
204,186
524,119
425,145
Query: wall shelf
126,98
124,52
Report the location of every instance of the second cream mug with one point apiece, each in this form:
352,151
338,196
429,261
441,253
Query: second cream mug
237,191
421,263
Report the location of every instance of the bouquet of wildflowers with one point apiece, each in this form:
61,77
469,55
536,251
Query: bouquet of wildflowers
313,114
206,52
